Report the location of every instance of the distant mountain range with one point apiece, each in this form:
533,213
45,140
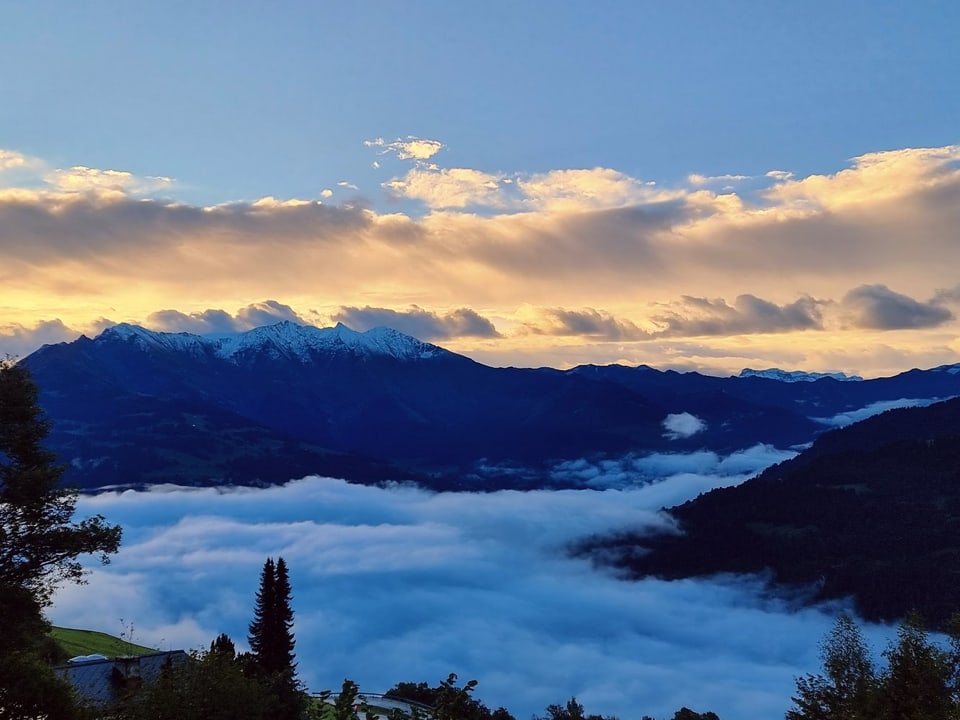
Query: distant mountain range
136,407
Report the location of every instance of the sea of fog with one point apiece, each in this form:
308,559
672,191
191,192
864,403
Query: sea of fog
400,584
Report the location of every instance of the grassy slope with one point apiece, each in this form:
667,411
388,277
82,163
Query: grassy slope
87,642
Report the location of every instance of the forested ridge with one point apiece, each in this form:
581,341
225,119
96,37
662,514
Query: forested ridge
871,511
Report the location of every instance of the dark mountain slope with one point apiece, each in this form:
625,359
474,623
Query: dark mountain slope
382,402
871,511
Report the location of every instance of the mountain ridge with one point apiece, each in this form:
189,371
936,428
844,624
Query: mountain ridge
869,512
395,404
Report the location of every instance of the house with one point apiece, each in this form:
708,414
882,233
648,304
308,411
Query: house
101,681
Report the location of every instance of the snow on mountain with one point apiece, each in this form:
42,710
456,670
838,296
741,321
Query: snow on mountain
284,339
796,375
143,338
949,369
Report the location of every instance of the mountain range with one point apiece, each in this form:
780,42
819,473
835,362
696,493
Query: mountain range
134,407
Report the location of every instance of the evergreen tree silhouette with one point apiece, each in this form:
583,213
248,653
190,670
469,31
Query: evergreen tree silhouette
271,638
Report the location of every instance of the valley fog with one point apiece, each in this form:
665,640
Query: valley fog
400,584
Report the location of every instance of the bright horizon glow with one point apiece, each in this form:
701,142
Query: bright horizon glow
687,185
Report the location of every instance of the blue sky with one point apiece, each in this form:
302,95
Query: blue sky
568,153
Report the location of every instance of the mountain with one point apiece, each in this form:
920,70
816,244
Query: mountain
133,407
870,511
797,375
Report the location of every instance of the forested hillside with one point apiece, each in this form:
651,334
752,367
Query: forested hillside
871,511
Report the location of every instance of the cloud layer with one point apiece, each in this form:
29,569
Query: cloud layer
400,584
510,265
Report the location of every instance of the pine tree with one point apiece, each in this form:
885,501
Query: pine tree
284,650
271,638
263,628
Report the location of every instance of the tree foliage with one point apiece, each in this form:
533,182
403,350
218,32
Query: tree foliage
39,547
271,637
919,682
39,540
449,701
211,686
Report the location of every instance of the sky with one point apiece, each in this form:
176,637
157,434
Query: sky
690,185
399,584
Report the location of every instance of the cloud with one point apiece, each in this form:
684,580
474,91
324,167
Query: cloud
19,341
878,308
670,477
852,416
575,190
418,322
699,180
449,188
211,321
587,322
13,160
748,314
80,179
682,425
396,583
748,264
869,180
410,148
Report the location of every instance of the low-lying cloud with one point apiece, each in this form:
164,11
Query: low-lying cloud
682,425
394,584
852,416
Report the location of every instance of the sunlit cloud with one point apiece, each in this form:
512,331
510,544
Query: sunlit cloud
410,148
606,258
879,308
420,323
748,314
586,323
869,180
19,340
449,188
13,160
214,321
80,179
697,179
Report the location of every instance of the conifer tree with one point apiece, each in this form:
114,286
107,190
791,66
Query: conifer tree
271,638
263,628
284,650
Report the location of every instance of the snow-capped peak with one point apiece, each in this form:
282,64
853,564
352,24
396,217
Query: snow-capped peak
796,375
949,369
284,339
148,338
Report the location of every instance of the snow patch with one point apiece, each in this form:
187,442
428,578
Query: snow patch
281,340
796,375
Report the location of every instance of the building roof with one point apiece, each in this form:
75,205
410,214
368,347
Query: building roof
103,681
